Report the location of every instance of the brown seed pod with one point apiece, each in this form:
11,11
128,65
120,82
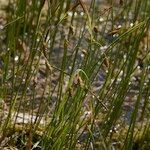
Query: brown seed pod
78,80
121,2
95,29
106,62
71,30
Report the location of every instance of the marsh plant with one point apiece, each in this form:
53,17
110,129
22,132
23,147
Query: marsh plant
75,74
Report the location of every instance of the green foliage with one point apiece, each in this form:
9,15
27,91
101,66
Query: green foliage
75,75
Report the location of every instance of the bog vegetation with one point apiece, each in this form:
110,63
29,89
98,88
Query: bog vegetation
75,74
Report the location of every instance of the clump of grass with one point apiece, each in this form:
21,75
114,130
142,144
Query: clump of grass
75,76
